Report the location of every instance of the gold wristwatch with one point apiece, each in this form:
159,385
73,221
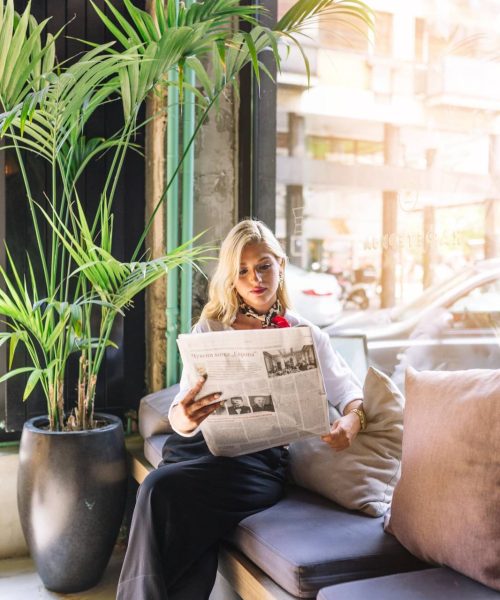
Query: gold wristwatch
362,416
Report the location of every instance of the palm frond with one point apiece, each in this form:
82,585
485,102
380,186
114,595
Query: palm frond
215,16
305,12
23,58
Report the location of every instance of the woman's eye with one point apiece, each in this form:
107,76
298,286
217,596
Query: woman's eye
243,272
264,267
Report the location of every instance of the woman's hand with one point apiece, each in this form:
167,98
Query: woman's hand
343,432
189,413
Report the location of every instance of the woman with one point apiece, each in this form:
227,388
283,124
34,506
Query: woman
194,498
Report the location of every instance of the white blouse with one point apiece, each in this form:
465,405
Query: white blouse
341,384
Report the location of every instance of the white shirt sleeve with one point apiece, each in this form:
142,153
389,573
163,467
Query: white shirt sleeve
341,385
184,387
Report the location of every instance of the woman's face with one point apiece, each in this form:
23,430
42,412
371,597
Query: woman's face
258,279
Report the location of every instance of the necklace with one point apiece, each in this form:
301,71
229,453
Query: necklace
272,318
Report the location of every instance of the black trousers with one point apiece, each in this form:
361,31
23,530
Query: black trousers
183,510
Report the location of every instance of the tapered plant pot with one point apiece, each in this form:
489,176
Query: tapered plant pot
71,495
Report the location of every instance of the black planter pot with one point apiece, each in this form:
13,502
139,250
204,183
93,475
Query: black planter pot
71,496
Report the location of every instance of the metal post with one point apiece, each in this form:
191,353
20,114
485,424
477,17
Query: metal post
295,194
257,135
172,309
492,206
188,125
430,245
491,228
389,221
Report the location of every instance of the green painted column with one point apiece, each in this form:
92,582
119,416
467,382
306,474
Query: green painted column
188,126
172,233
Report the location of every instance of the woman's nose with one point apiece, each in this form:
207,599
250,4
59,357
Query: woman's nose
257,276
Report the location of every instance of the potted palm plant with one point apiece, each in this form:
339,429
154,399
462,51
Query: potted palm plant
72,464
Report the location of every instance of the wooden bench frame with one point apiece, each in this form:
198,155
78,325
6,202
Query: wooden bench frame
245,578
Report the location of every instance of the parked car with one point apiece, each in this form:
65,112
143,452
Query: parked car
452,325
315,296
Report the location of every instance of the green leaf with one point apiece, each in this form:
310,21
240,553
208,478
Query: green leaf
138,18
253,56
111,26
57,332
196,65
6,35
14,340
304,56
77,319
125,93
15,372
16,43
128,30
171,14
50,55
160,16
31,383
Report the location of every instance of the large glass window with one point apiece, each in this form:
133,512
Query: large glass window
387,182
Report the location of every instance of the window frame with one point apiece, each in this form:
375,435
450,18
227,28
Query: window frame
257,136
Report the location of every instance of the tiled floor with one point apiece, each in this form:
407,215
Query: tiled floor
20,581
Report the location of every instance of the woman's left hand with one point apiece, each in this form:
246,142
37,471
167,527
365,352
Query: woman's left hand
343,432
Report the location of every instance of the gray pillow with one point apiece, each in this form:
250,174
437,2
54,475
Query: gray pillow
363,476
153,412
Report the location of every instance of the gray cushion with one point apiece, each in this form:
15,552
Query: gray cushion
153,446
431,584
306,542
153,412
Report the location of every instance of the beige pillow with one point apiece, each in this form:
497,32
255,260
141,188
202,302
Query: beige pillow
446,507
363,476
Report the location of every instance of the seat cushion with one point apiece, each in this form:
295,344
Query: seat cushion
306,542
152,448
153,412
430,584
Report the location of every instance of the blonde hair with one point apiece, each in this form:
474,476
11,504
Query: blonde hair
223,301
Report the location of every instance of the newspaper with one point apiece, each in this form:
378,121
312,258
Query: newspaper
270,382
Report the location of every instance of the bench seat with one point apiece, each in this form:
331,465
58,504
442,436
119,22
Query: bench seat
430,584
306,542
307,547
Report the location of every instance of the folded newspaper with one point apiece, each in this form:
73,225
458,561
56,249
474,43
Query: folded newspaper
271,386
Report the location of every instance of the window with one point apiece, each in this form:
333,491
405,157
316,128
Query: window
383,177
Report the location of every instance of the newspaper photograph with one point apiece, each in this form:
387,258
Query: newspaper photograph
270,383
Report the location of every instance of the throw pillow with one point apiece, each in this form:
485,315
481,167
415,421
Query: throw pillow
446,507
363,476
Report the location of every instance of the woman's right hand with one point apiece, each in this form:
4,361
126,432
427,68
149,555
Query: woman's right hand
190,413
